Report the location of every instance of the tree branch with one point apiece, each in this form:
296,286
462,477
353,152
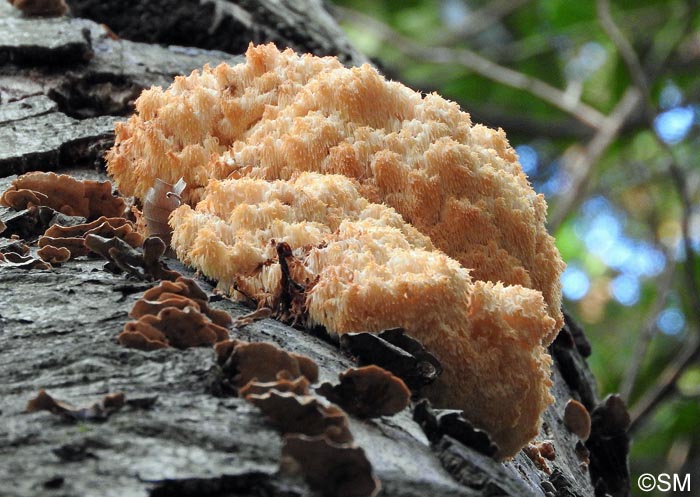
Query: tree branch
624,47
480,20
642,344
666,383
581,166
479,65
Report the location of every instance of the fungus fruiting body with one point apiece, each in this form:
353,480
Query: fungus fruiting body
341,199
41,8
87,198
174,313
368,392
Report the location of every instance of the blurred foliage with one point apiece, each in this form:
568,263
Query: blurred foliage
629,277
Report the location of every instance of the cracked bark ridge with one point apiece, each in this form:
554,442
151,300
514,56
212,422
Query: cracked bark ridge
65,82
304,25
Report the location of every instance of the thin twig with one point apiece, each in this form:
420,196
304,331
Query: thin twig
642,345
624,47
581,167
480,20
666,383
690,270
478,64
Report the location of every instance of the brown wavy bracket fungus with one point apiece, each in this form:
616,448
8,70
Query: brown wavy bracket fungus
99,226
41,8
333,470
187,327
142,336
99,411
54,255
143,307
179,328
22,199
73,237
144,265
63,193
175,291
75,245
153,249
396,352
223,352
15,245
181,286
33,221
160,201
250,318
547,450
14,260
173,313
290,413
577,420
583,454
284,383
3,226
242,362
439,422
368,392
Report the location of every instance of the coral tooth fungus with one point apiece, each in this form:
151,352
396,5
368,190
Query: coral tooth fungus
399,212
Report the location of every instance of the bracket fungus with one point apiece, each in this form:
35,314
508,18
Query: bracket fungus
13,244
54,255
174,314
577,419
184,289
368,392
439,422
305,414
65,194
73,238
99,411
393,210
242,362
284,383
41,8
338,470
143,264
15,260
